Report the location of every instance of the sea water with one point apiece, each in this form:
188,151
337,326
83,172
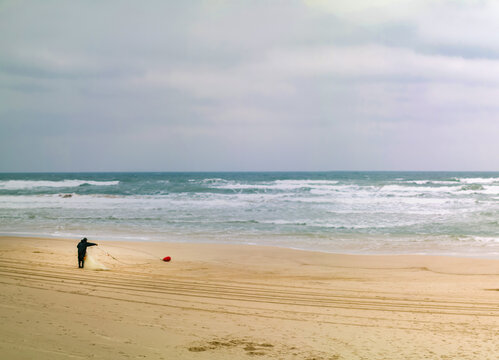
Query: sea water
451,213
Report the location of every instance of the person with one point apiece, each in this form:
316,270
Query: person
82,251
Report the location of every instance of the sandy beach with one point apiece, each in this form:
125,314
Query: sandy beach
234,301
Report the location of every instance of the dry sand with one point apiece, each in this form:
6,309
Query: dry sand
237,302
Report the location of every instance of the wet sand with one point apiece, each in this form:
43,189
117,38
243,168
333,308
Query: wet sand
235,302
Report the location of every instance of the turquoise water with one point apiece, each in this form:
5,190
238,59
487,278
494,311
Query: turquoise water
350,212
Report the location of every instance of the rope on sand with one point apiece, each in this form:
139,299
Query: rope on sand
118,260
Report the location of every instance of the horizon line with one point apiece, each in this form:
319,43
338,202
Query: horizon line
234,171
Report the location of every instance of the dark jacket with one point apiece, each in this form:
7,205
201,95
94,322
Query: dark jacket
82,247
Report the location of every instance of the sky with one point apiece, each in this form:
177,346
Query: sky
254,85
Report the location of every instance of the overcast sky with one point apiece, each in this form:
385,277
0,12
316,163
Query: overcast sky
249,85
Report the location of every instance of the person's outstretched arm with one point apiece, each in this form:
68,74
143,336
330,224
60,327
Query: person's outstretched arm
91,244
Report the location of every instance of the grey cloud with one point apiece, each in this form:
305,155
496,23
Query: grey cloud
36,70
247,85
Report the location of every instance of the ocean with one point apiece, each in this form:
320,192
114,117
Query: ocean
438,213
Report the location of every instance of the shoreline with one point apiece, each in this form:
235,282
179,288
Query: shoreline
194,241
228,249
219,301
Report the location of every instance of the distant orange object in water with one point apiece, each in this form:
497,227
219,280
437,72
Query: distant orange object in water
167,258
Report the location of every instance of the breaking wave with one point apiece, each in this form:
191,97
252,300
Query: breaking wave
32,184
326,211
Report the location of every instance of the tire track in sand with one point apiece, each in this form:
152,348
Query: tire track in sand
238,298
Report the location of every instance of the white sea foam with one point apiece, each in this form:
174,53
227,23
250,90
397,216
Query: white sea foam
106,202
432,182
354,214
491,190
486,240
305,183
211,181
282,185
419,182
31,184
479,180
414,190
344,223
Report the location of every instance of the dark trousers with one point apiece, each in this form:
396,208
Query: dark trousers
81,260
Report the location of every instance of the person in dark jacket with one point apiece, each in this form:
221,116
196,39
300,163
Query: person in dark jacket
82,251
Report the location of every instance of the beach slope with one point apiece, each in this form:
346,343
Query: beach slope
234,302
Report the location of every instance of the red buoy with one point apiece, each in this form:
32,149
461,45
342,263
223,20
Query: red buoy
167,258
